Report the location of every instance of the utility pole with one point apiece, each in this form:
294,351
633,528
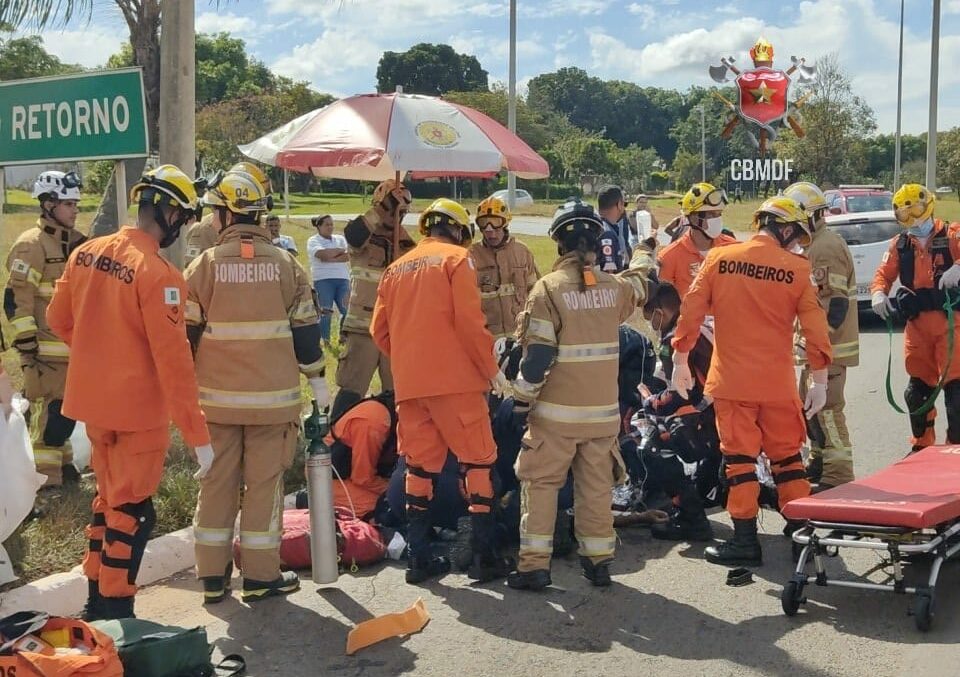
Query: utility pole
934,73
512,100
896,152
177,96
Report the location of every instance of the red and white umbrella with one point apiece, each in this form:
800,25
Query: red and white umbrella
374,137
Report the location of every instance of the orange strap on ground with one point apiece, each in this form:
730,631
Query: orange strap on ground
384,627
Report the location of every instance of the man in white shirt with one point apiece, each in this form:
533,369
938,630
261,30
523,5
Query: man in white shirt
282,241
329,266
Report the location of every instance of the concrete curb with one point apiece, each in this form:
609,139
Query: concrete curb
65,594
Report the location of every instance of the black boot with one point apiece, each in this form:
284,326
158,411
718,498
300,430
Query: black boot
91,610
815,470
113,608
690,523
421,563
793,526
215,588
597,573
535,580
743,550
254,591
488,564
70,474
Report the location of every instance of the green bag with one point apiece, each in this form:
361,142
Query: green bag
149,649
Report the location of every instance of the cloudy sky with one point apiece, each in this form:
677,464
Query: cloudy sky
335,44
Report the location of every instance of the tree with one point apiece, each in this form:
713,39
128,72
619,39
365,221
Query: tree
587,154
225,71
430,69
837,123
636,165
27,58
948,159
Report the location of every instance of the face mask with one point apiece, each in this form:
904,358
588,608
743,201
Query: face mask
713,227
922,229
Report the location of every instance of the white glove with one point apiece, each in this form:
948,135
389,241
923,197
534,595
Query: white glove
499,384
816,393
881,305
682,380
951,278
205,459
318,384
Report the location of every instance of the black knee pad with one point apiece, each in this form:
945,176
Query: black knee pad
59,428
917,393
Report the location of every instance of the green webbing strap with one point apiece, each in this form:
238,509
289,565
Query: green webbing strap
948,306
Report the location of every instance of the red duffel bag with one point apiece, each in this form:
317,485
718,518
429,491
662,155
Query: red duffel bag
358,543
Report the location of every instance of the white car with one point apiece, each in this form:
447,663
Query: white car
521,199
868,235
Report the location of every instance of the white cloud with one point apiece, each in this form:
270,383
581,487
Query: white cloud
645,11
951,7
325,61
216,22
89,48
553,8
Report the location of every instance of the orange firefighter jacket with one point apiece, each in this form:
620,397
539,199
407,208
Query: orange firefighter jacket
246,305
506,274
926,264
370,248
200,238
680,261
578,397
365,429
756,290
428,321
120,306
36,260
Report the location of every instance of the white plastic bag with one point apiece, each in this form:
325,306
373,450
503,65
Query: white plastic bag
20,477
80,444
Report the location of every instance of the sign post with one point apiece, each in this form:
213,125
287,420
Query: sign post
100,115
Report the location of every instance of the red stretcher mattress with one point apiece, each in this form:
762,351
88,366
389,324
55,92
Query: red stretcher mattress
922,490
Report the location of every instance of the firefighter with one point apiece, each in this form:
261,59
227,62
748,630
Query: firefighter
925,258
568,388
702,206
37,259
751,377
363,446
428,301
505,267
370,242
120,306
831,454
203,234
253,325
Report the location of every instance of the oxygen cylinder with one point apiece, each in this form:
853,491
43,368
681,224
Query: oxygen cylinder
319,469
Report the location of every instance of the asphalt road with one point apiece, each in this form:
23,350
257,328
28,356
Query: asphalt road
668,611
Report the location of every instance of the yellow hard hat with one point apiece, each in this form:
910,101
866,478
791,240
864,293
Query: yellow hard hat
703,197
912,204
494,207
389,187
808,195
781,210
167,182
240,194
445,211
258,175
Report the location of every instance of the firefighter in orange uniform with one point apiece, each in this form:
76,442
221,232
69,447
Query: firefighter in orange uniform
506,270
36,260
370,239
120,306
253,323
570,331
681,260
428,300
751,377
925,258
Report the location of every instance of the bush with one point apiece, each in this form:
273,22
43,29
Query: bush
96,176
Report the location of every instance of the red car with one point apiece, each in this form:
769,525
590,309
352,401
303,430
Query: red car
853,199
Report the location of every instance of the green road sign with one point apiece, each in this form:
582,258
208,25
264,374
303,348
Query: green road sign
89,116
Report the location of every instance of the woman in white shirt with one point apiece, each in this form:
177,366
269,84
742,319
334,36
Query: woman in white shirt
331,273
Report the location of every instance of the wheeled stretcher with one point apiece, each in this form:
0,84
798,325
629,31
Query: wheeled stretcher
909,509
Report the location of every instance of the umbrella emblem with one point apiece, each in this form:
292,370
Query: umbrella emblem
438,134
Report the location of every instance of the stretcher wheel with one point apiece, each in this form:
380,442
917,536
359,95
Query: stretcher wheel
923,610
791,598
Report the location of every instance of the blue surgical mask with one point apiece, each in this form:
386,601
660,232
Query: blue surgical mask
922,229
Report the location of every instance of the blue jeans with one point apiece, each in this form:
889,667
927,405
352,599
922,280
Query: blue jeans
329,291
